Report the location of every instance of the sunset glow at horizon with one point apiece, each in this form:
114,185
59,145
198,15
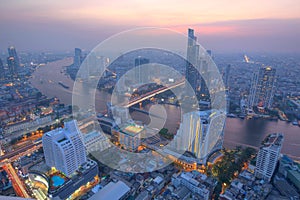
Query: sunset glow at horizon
209,18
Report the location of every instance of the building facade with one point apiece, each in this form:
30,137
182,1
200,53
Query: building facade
77,58
96,141
64,149
141,73
13,61
190,180
268,156
262,88
201,132
2,70
192,75
129,136
28,125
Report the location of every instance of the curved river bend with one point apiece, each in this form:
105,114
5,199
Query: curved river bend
237,131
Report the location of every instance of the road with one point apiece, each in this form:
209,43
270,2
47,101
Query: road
17,184
153,93
14,155
17,134
6,161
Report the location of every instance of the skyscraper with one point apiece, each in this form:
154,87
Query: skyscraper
64,149
141,74
262,88
268,156
13,61
226,78
77,57
2,72
226,82
192,75
201,132
12,67
13,53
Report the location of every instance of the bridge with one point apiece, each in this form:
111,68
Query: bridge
152,94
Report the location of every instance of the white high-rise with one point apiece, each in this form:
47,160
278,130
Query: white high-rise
201,132
268,156
64,149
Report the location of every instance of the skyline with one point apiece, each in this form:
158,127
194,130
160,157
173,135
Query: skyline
149,99
240,26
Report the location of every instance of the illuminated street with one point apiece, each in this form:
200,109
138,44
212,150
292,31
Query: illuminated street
18,185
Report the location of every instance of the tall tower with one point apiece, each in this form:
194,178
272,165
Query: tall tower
226,81
12,66
13,53
226,78
268,156
192,75
64,149
262,88
2,72
141,76
77,57
13,61
200,133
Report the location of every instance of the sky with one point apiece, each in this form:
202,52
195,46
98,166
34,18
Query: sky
220,25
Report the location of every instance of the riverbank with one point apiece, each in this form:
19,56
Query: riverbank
247,132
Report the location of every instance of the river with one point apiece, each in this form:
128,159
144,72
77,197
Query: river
237,131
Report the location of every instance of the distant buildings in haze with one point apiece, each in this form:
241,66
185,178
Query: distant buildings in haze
141,73
2,72
13,64
77,58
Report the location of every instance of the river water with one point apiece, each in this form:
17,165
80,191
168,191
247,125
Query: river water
237,131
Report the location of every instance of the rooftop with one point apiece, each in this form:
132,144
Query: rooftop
92,135
131,129
274,139
113,191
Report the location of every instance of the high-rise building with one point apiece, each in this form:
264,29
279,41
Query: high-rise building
64,149
77,58
268,156
13,61
201,132
2,71
226,82
13,53
12,67
141,74
226,78
262,88
192,75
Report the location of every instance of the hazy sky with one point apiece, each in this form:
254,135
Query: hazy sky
221,25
